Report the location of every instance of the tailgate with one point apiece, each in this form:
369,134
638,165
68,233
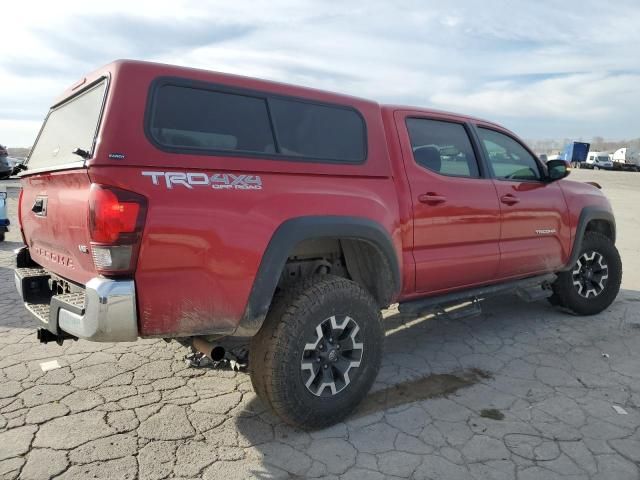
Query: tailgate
54,216
54,203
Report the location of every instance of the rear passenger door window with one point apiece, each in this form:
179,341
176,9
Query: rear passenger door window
442,147
508,159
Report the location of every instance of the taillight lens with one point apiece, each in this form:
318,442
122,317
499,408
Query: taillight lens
116,221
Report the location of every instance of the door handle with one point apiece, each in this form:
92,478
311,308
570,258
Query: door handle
509,199
432,198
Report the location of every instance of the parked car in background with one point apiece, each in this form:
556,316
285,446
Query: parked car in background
575,153
4,219
556,156
6,167
18,165
627,159
597,161
3,151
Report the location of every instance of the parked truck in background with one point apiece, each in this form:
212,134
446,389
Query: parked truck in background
163,201
627,159
575,153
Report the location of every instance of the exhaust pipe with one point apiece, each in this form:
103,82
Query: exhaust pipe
211,350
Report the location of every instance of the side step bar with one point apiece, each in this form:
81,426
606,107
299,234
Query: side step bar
529,289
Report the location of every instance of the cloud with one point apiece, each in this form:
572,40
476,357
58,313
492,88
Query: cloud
146,37
562,96
28,68
545,68
558,106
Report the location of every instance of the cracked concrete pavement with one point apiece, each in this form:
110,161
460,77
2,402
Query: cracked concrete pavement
523,391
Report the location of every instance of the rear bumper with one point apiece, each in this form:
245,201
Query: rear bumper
104,312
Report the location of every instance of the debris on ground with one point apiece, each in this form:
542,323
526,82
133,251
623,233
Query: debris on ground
236,359
619,410
492,413
51,365
605,355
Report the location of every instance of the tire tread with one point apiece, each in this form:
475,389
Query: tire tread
281,330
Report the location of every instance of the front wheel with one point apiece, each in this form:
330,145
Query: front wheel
318,352
593,282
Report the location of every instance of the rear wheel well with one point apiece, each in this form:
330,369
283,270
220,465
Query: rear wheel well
601,226
356,259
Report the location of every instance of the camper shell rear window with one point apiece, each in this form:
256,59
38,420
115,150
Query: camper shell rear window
184,116
70,125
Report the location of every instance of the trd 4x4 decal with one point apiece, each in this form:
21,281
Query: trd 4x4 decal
217,181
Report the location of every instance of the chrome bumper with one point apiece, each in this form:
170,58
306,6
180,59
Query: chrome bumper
104,312
109,312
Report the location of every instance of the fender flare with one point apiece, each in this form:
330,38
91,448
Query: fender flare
587,215
284,240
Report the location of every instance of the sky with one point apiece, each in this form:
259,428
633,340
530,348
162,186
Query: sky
545,69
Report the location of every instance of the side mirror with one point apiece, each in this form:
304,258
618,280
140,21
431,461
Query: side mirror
557,169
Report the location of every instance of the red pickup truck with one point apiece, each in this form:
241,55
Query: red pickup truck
161,201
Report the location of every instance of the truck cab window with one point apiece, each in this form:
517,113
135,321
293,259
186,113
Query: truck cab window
507,158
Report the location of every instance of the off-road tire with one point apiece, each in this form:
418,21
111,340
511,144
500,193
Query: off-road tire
566,294
276,350
1,236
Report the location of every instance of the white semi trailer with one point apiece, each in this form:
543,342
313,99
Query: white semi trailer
627,159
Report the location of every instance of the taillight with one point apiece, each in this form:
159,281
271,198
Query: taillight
116,221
